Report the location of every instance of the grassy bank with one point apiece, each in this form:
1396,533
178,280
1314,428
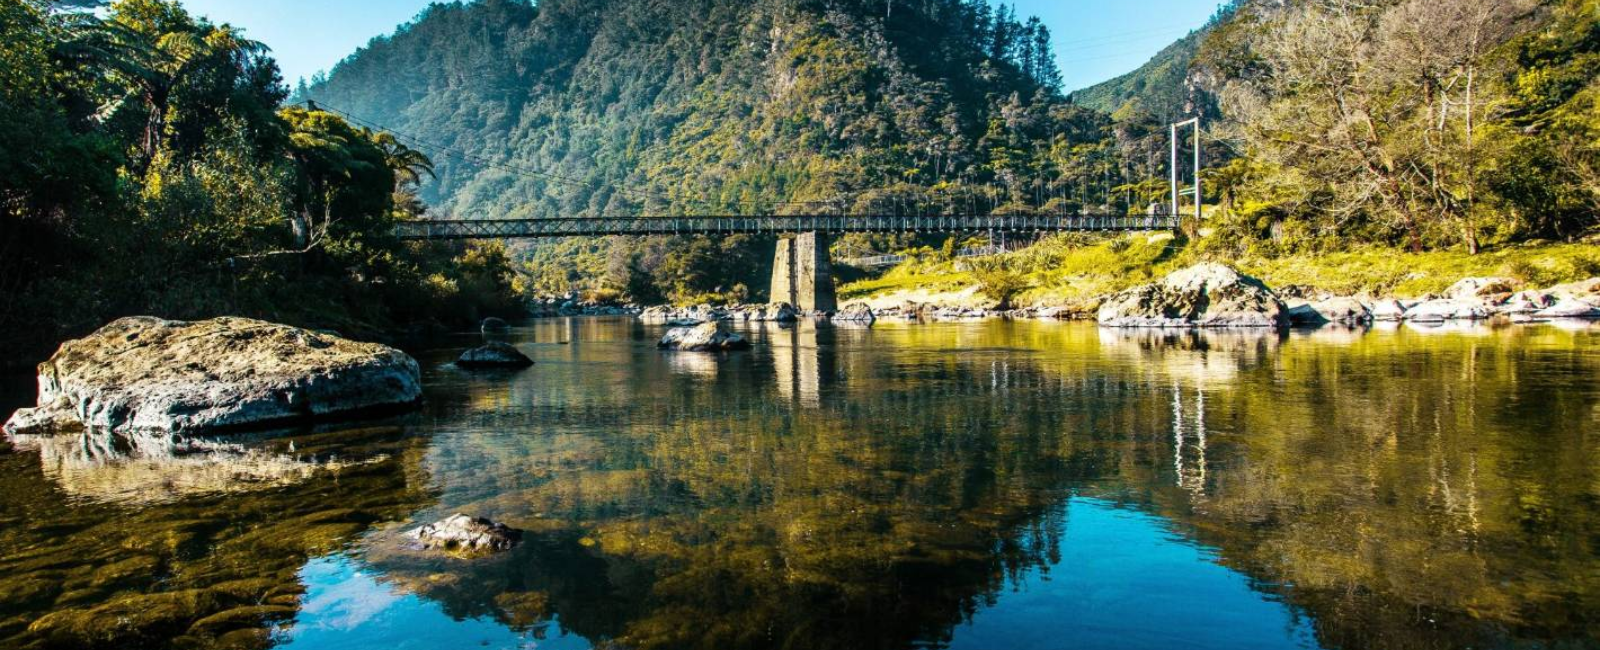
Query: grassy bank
1068,270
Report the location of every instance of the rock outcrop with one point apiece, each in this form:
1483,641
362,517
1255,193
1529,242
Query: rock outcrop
494,355
150,374
1206,295
463,534
705,337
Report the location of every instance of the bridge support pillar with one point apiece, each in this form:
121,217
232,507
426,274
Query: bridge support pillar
802,275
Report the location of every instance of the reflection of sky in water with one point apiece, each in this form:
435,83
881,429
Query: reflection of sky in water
346,608
1122,581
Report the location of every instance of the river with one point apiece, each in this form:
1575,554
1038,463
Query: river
958,485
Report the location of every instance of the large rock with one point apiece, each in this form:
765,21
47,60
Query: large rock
149,374
1338,311
1526,302
494,355
463,534
1207,295
706,337
492,325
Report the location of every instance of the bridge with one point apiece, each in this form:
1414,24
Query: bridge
802,274
778,225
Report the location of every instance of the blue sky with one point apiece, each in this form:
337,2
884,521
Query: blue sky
1095,39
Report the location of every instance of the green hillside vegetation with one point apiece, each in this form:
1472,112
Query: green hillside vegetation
146,168
575,107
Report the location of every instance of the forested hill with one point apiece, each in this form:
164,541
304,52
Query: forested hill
1159,88
587,106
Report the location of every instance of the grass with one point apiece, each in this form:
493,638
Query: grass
1067,270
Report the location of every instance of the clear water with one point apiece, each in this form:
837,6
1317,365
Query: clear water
979,485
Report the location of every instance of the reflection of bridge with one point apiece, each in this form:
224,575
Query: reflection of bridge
801,273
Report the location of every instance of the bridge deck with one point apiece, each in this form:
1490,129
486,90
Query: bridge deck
731,225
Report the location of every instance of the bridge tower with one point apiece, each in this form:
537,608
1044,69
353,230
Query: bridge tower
802,275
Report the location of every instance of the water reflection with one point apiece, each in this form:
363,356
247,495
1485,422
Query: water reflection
966,485
148,468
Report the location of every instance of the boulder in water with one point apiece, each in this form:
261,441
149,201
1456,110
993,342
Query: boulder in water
149,374
856,312
494,355
1338,311
463,534
705,337
781,312
492,325
1206,295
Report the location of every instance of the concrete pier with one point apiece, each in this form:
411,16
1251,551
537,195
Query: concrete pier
802,275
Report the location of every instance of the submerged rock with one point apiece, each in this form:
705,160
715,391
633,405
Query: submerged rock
1206,295
462,533
705,337
146,373
494,355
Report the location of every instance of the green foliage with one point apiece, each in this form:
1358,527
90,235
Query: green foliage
145,167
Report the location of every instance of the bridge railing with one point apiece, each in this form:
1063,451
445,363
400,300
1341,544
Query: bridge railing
777,224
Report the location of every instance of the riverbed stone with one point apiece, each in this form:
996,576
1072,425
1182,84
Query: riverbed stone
856,312
781,312
705,337
494,355
1205,295
150,374
1338,311
1443,309
1478,288
1569,308
466,534
1526,302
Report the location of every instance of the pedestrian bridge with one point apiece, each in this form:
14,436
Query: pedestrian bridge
802,274
778,225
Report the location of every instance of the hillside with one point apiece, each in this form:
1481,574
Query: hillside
1158,88
578,106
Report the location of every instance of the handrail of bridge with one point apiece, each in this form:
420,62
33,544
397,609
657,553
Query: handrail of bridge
777,224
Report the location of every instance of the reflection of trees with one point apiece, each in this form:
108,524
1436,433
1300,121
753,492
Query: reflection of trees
884,511
1389,478
202,567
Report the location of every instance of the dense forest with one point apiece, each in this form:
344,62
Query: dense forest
148,165
154,162
1403,123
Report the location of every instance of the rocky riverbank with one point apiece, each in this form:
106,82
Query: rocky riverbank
1205,295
